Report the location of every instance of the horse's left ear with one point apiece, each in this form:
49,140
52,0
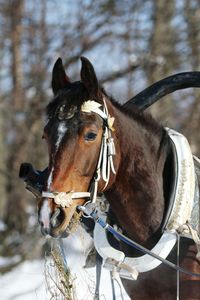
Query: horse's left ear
88,77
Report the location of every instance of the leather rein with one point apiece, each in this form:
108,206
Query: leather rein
91,211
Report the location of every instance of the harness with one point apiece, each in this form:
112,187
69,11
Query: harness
177,219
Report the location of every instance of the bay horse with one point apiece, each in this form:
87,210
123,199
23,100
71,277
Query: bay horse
136,181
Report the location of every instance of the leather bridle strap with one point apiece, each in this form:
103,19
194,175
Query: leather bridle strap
65,199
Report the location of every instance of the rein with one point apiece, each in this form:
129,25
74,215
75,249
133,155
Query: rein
105,161
91,212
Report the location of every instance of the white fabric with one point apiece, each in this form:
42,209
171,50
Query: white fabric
93,106
185,182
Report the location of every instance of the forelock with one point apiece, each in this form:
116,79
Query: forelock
74,95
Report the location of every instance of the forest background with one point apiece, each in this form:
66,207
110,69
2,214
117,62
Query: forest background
131,43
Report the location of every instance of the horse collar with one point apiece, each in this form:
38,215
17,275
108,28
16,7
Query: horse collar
180,210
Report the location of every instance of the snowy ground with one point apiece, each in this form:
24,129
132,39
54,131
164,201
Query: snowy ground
27,281
24,282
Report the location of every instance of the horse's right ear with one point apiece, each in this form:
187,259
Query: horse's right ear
59,78
88,77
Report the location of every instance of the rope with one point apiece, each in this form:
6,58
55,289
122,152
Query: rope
112,286
115,277
178,272
99,262
194,235
196,239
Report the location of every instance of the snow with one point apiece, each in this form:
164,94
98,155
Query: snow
27,281
2,226
6,261
77,247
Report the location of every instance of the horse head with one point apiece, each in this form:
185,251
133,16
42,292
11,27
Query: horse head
77,122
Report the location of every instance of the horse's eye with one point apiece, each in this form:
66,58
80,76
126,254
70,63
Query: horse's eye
90,136
44,136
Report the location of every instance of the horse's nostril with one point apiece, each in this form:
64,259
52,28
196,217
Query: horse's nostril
45,230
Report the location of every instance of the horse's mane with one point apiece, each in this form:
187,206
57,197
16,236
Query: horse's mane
144,119
77,93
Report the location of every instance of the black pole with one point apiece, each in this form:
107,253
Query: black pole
162,88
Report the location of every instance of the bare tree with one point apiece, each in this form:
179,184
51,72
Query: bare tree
163,56
16,11
131,46
192,120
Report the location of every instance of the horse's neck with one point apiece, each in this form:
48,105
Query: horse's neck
136,197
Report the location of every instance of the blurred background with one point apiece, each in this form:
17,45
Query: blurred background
131,43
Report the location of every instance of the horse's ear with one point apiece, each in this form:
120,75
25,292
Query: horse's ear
59,78
88,77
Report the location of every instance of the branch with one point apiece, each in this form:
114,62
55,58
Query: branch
119,74
87,45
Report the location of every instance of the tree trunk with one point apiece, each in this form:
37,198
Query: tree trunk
162,55
16,13
16,216
192,122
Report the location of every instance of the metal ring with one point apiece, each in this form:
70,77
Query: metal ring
84,205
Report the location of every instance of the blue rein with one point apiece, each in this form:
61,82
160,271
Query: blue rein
91,212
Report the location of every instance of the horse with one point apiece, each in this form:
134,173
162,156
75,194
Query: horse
133,169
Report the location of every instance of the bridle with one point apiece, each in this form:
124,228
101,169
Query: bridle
105,161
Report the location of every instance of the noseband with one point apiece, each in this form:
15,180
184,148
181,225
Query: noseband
105,161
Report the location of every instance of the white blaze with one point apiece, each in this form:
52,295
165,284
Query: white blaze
62,129
49,181
44,213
